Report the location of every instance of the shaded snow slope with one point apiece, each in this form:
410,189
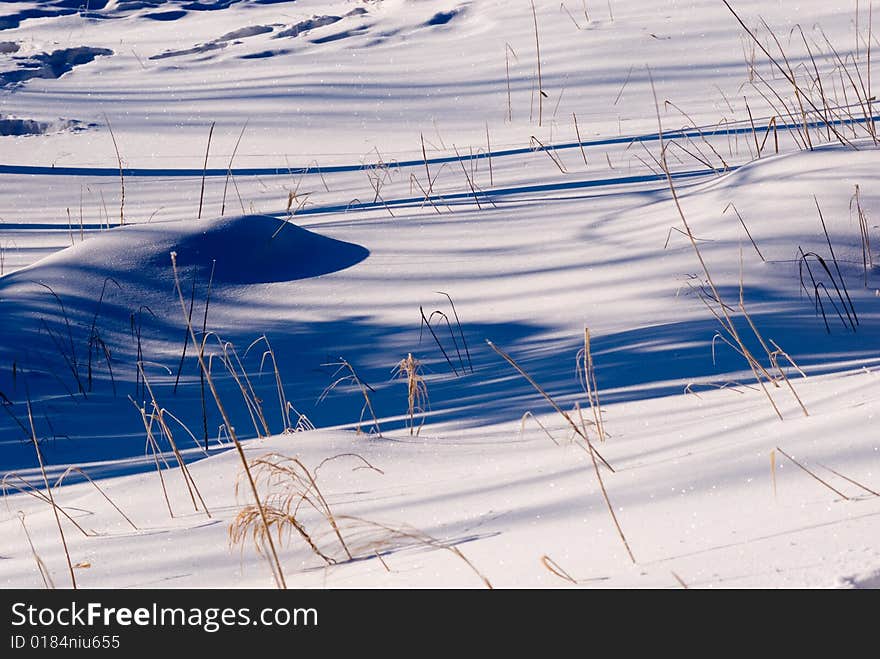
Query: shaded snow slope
616,263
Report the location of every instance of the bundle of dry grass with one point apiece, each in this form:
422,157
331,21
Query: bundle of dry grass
410,370
290,502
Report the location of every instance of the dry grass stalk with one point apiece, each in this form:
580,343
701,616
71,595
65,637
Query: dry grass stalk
205,170
426,322
154,449
573,20
798,464
8,405
68,359
74,469
577,132
345,374
623,86
460,332
508,50
799,94
867,256
15,481
41,566
420,538
382,560
192,300
136,327
836,265
803,262
121,174
251,400
774,356
292,195
772,125
743,223
528,415
68,353
650,155
69,228
699,158
730,385
49,493
159,415
229,172
795,130
593,454
541,94
202,350
694,126
862,95
185,429
318,171
467,177
680,580
723,315
428,198
95,340
489,156
550,151
104,206
554,568
788,73
378,174
587,375
283,402
427,169
528,378
754,131
851,480
364,463
303,423
869,94
818,81
275,563
81,227
414,181
771,355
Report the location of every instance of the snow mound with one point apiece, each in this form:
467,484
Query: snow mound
170,10
52,65
869,580
216,44
247,249
129,270
18,127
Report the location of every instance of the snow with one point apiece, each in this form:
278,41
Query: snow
320,238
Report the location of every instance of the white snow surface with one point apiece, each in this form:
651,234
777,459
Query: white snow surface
335,263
